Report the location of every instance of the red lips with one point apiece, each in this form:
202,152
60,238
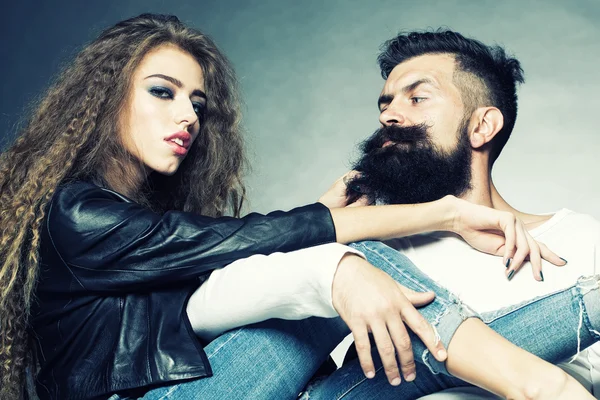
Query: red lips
184,136
179,142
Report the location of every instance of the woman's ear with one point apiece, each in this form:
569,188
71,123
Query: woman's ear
486,123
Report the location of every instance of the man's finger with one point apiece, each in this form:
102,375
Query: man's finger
387,350
417,299
363,349
400,337
427,333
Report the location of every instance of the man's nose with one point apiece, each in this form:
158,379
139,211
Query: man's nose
392,115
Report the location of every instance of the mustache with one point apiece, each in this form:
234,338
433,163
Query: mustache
395,133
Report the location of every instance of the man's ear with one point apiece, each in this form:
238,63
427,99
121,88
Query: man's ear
486,122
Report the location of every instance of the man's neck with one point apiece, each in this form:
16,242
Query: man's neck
484,192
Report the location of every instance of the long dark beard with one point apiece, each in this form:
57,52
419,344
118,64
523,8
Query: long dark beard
413,170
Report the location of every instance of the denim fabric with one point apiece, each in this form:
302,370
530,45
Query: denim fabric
275,359
445,313
553,327
270,360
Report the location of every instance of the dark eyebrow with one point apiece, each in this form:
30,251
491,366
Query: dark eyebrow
388,98
177,82
384,99
416,84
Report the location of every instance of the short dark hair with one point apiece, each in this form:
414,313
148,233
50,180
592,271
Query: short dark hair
485,76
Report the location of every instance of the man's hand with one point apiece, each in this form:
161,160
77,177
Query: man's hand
369,300
502,234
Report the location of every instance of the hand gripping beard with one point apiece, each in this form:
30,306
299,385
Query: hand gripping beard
400,165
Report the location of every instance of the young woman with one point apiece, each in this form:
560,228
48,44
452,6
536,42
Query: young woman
112,216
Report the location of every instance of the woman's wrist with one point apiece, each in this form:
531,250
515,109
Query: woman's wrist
393,221
449,214
437,215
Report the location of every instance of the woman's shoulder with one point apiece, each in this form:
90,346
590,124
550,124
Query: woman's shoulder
84,189
81,201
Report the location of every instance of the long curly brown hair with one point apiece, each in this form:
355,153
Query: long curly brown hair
74,135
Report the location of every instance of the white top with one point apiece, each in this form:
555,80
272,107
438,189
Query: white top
293,285
479,279
480,282
299,283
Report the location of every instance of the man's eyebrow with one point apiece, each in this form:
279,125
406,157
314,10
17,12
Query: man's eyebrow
384,99
388,98
416,84
177,82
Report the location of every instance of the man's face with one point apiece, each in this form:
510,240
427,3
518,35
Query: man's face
421,91
422,151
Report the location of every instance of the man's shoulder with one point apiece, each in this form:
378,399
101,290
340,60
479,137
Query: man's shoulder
567,222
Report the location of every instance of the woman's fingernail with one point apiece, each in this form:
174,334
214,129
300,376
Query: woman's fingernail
510,274
508,263
370,374
566,262
395,381
410,377
442,354
542,276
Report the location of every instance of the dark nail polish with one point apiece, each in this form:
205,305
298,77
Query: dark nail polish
542,276
566,262
508,263
510,274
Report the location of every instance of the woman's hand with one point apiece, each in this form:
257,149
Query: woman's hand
336,196
369,300
502,234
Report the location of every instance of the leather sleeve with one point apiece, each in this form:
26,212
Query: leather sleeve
110,244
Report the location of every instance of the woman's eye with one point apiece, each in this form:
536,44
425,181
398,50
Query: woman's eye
161,92
199,109
417,100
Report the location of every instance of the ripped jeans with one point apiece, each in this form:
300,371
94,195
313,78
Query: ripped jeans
275,359
554,327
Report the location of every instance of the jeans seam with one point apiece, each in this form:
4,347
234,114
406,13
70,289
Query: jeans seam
165,396
516,307
401,272
341,396
209,356
585,317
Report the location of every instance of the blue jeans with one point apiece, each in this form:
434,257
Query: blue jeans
275,359
547,326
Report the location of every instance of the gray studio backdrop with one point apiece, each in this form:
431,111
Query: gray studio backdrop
310,82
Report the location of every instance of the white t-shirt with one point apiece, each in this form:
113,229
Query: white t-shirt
479,279
294,285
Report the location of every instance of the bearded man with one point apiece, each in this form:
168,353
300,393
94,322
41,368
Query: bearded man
447,109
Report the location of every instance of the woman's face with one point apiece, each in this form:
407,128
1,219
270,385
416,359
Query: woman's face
166,105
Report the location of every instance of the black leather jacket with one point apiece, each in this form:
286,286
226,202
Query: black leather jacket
115,279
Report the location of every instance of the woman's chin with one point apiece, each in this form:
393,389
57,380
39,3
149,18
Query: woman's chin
167,170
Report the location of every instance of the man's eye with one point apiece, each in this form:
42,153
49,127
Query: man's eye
161,92
417,100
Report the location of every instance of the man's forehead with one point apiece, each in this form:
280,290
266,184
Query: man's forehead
434,68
